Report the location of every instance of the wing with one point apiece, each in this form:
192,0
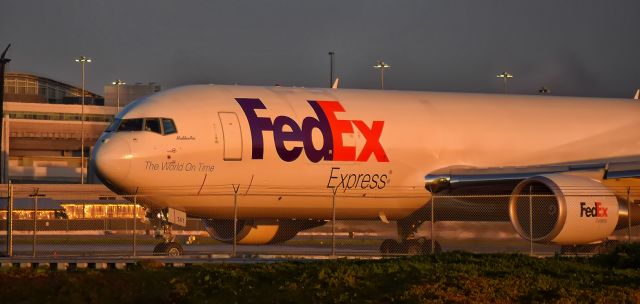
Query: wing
502,180
575,203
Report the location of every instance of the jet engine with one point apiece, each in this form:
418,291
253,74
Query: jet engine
563,209
258,231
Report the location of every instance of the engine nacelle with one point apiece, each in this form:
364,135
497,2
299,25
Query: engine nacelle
258,231
565,209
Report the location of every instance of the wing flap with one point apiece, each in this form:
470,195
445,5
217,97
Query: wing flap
623,170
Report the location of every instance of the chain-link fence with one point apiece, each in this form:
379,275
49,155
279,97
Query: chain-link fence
344,223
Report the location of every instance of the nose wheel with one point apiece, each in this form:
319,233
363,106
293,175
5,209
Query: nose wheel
168,248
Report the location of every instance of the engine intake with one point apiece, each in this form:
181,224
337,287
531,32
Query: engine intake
563,209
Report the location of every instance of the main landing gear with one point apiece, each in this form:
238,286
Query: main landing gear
168,246
408,243
605,246
417,246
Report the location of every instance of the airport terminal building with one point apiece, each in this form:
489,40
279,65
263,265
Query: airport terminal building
42,143
42,126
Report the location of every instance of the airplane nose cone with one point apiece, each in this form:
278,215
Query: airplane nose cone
112,161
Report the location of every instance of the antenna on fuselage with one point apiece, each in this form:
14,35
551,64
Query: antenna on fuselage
637,95
335,84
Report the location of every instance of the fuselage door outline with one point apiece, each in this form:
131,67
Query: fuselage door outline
231,136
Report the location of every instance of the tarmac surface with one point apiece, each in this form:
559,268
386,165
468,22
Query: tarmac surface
47,252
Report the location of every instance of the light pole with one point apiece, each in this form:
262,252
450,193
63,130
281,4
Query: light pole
331,54
3,62
504,77
381,65
118,83
35,196
82,60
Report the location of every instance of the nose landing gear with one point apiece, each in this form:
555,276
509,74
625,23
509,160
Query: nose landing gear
163,231
168,248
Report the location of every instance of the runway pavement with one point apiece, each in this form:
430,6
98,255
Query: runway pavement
107,249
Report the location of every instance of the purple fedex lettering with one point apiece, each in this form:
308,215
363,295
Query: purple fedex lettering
257,124
286,130
281,135
322,124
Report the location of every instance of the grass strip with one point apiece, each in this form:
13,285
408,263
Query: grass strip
450,277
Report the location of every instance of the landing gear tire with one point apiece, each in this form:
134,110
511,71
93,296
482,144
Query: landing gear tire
389,246
420,246
426,246
411,247
169,249
589,249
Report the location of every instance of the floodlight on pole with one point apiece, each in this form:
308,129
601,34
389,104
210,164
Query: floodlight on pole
381,65
82,60
544,90
504,77
118,83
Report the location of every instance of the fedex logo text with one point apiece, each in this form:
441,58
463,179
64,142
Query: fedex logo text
285,129
596,211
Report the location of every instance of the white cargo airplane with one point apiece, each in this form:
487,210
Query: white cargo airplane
279,155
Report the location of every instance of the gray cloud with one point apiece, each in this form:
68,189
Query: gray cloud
586,48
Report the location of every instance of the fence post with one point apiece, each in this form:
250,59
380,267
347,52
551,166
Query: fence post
10,220
235,218
333,222
433,241
35,223
530,221
135,216
35,196
629,214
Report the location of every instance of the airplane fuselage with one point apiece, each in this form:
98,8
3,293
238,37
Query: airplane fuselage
285,152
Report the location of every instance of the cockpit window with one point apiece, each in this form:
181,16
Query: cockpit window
152,125
114,125
130,125
164,126
168,126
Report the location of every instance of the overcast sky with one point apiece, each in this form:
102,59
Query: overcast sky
577,47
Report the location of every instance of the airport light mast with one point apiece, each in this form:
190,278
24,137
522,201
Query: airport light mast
505,76
381,65
82,60
3,62
118,83
331,54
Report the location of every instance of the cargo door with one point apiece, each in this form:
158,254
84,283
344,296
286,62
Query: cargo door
231,136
